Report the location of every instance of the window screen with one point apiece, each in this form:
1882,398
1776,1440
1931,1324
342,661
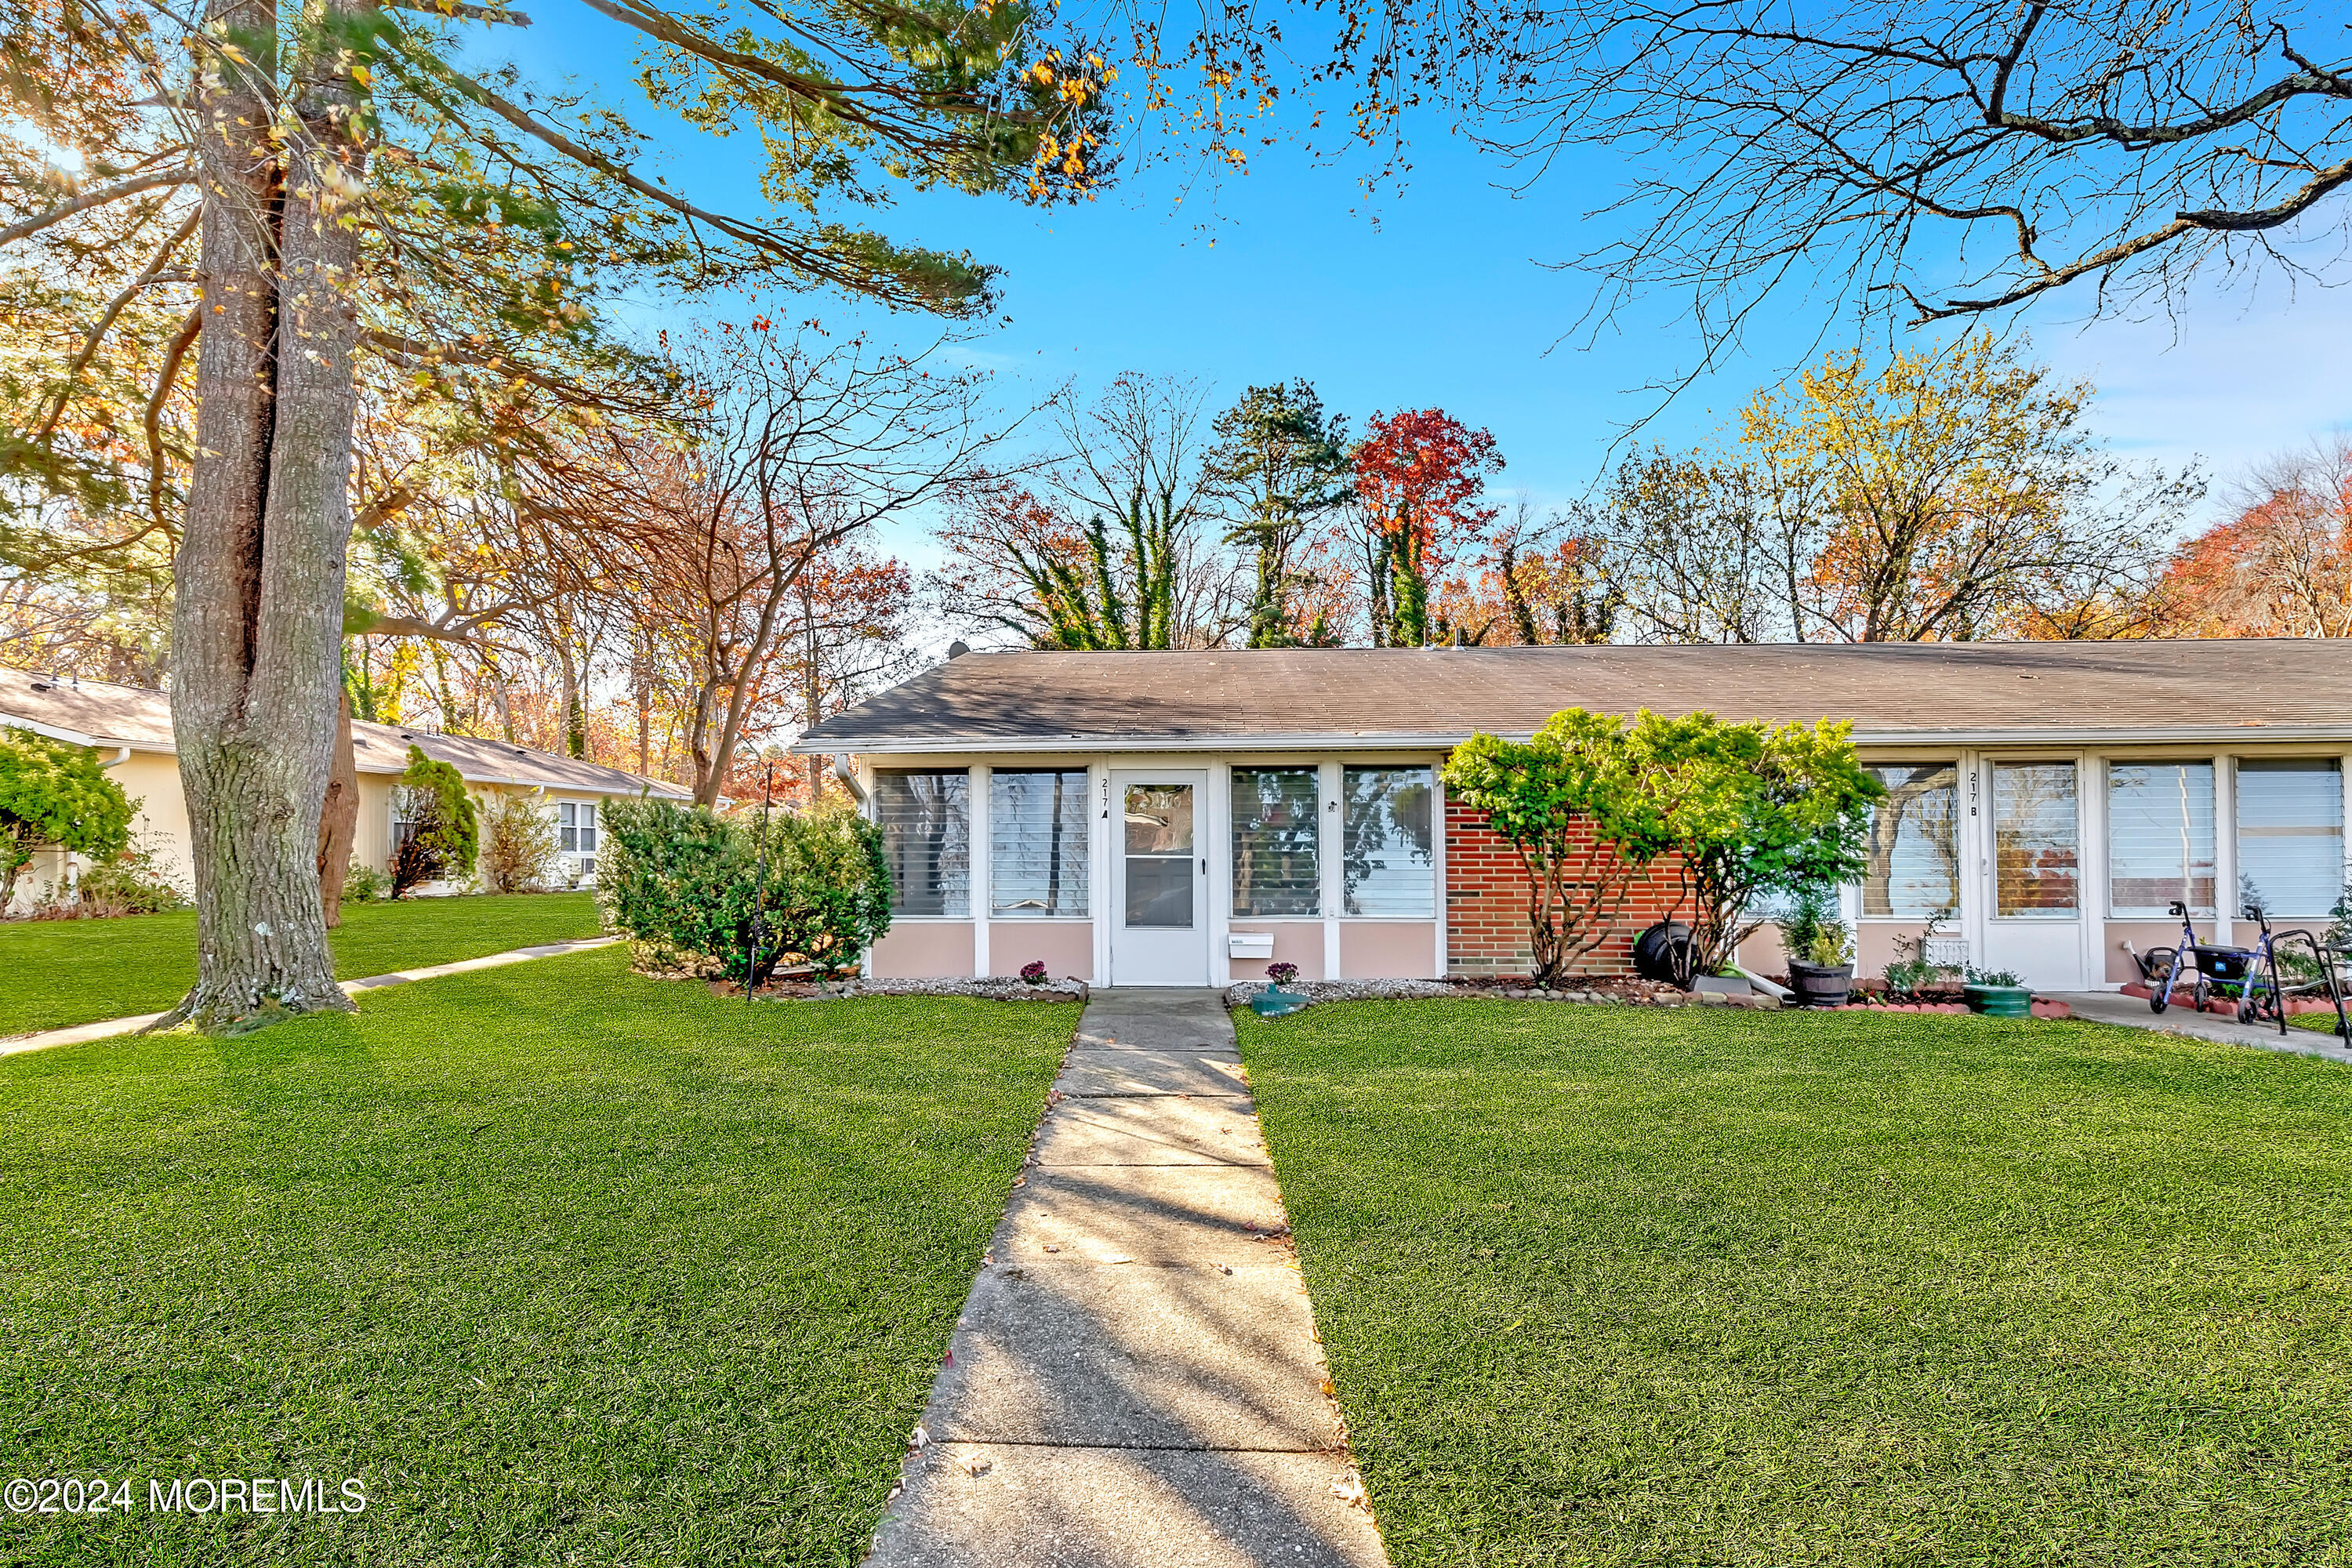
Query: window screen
1276,868
2159,838
926,838
1037,843
1913,870
1391,869
2291,834
2036,864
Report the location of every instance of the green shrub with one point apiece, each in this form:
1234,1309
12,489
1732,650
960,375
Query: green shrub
366,884
53,795
686,885
1812,932
130,883
518,843
834,897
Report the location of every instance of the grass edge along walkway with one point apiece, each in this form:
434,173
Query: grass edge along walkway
80,1034
1607,1286
57,974
567,1264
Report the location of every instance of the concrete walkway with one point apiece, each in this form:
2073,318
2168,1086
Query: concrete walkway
111,1026
1135,1381
2132,1012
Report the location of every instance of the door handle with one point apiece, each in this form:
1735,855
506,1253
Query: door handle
1205,865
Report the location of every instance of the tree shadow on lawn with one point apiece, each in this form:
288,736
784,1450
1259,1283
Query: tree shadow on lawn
557,1258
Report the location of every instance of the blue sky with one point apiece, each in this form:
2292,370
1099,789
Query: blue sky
1438,294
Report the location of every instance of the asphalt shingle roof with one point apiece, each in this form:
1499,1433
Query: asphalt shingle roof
1369,697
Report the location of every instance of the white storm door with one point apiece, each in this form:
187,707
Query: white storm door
1160,883
2034,897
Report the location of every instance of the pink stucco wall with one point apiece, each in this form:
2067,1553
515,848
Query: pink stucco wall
921,950
2145,934
1294,941
1389,949
1067,946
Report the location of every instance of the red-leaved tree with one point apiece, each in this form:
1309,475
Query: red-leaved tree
2282,566
1420,483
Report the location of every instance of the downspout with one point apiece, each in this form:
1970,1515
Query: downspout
122,755
845,768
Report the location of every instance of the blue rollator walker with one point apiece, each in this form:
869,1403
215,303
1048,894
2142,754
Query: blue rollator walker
2253,971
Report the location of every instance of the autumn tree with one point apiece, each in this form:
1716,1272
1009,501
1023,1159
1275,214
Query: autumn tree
1097,544
846,636
803,449
2283,566
1934,497
1280,467
1543,581
1420,483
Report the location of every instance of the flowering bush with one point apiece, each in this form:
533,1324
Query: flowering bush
1033,972
1282,973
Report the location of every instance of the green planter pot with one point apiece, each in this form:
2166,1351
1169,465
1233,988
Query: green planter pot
2000,1001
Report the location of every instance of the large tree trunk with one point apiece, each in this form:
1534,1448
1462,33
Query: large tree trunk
257,621
338,818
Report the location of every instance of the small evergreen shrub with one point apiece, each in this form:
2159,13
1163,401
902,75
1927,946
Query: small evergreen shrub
131,882
687,886
444,835
365,885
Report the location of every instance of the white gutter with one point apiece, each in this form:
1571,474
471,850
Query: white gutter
56,732
1428,740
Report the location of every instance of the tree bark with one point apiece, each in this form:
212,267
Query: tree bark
258,618
338,818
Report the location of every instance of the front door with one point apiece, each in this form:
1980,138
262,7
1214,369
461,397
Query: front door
1159,905
2033,927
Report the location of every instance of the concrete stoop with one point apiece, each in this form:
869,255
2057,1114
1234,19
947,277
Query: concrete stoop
1135,1381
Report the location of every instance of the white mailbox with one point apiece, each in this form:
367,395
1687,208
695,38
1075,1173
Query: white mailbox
1249,944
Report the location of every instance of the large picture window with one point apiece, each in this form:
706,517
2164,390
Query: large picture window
1276,866
2037,860
2159,838
1392,868
925,819
1914,869
1037,843
2290,834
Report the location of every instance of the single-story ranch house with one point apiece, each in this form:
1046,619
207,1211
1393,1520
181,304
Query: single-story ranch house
130,728
1183,818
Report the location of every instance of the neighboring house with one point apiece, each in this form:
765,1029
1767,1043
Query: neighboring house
132,730
1183,818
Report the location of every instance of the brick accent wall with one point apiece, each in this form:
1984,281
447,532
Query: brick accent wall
1486,905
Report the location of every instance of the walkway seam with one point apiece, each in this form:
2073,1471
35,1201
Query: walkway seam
78,1033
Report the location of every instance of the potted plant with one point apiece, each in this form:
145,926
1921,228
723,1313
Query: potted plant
1273,1001
1033,972
1997,994
1819,949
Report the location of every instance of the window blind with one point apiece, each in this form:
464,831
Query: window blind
2036,862
1276,863
2290,834
2159,838
925,819
1037,843
1914,867
1391,866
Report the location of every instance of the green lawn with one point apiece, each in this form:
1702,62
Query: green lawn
1614,1286
567,1265
55,972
